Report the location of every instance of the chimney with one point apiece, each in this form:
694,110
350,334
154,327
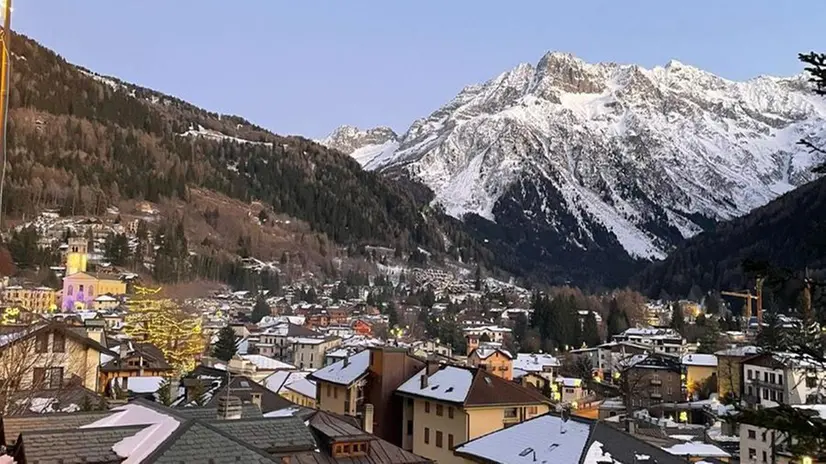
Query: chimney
346,361
432,365
368,418
424,381
229,407
96,334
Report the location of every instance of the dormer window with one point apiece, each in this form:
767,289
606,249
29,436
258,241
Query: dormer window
343,450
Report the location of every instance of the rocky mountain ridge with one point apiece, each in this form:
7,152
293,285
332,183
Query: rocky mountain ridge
566,159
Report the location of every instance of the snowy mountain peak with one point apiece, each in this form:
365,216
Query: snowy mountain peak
362,145
348,138
609,157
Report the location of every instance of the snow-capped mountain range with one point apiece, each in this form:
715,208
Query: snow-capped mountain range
591,156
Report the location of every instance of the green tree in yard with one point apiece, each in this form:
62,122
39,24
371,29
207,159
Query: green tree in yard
260,310
677,320
225,348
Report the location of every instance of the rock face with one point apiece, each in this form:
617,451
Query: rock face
363,145
602,163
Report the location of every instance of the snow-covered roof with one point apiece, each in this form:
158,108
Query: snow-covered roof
544,439
307,340
137,447
695,359
569,381
487,328
651,332
485,352
339,373
265,363
106,299
697,449
534,362
450,383
303,386
284,412
143,384
745,350
276,380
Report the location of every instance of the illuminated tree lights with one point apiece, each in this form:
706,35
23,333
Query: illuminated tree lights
164,324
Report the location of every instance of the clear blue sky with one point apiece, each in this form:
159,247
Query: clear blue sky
305,67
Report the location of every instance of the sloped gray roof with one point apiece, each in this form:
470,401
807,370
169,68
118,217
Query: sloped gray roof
273,435
76,446
198,442
248,411
14,425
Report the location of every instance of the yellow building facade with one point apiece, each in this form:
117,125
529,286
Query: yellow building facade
36,299
496,361
53,357
76,256
454,405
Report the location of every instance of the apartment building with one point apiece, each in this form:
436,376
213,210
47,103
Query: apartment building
698,368
653,378
50,356
308,353
489,333
543,365
493,359
36,299
761,445
368,378
730,369
660,340
446,406
274,342
774,378
340,386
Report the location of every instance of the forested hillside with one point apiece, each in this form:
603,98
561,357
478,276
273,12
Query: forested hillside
789,232
81,142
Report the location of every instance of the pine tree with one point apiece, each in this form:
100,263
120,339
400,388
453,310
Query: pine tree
225,348
164,392
677,320
710,342
617,322
520,328
477,284
771,337
392,315
260,310
590,330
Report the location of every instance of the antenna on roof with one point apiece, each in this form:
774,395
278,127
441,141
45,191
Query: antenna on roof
565,415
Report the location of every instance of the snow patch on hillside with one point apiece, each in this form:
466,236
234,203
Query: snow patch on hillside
201,131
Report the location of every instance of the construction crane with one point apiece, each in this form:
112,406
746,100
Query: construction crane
749,296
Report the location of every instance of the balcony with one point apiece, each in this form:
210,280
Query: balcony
656,382
764,384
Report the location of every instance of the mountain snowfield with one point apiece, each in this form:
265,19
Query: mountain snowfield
605,157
